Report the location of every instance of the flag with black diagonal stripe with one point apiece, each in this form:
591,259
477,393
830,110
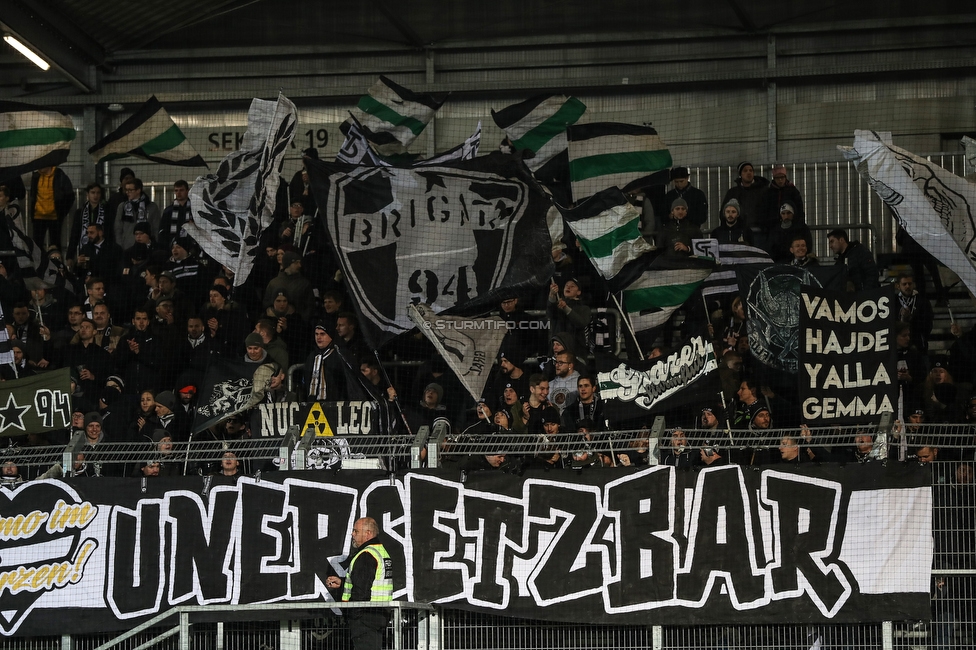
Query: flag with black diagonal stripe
31,138
151,134
608,154
392,116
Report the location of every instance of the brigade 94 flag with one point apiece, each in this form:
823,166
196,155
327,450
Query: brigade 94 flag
449,236
847,372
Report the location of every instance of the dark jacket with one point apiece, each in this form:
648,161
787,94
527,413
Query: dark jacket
862,270
773,199
697,203
64,194
750,201
737,234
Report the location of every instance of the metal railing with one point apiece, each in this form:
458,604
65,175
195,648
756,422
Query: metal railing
160,628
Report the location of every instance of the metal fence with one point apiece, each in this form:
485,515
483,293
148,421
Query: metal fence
952,625
833,194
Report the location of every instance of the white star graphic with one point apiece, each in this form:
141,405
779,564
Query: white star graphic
12,414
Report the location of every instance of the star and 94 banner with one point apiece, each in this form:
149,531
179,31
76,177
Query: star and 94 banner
35,404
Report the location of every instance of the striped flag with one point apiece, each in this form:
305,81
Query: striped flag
392,116
31,139
607,154
355,150
151,134
539,125
6,352
607,227
723,280
651,299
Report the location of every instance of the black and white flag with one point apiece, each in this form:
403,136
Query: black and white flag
451,237
632,390
934,206
355,150
233,206
469,345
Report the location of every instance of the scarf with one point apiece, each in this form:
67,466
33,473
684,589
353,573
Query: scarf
318,387
136,210
87,221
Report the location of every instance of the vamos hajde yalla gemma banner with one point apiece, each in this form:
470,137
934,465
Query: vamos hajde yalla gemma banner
726,545
847,372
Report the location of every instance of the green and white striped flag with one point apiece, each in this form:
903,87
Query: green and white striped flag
393,116
608,154
607,227
151,134
539,125
651,299
31,138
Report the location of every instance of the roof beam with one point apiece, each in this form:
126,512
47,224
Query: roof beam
46,33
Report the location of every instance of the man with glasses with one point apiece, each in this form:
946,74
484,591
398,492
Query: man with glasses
562,388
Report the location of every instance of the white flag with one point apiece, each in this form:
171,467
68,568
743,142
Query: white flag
468,345
233,206
934,206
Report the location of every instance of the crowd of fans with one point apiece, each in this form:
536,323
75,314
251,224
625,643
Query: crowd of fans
138,312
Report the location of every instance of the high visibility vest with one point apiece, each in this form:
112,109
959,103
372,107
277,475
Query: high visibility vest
382,588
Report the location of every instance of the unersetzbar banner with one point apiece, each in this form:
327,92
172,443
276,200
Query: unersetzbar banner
648,546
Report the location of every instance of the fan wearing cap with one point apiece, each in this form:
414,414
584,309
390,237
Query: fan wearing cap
191,276
781,237
171,417
748,191
225,324
429,409
324,378
298,189
296,229
550,454
676,234
293,283
732,230
694,197
781,191
942,398
914,309
566,311
510,375
136,257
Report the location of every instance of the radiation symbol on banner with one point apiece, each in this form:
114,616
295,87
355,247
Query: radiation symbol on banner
316,420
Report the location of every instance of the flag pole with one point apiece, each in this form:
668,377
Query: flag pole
396,398
630,327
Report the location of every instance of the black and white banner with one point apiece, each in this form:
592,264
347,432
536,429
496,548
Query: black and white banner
272,419
35,404
449,237
722,545
634,389
847,372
